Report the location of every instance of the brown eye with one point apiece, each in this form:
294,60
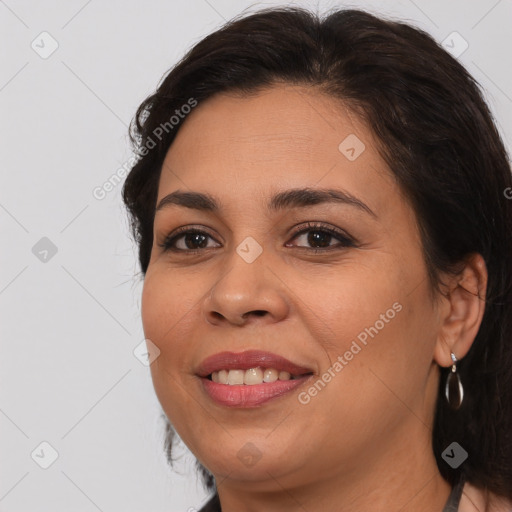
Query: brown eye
191,240
320,237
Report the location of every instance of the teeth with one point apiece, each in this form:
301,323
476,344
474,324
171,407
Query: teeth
270,375
284,376
236,377
253,376
250,377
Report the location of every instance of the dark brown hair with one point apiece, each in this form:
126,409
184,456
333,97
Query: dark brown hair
438,138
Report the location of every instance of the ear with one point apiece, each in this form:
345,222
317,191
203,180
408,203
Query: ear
461,311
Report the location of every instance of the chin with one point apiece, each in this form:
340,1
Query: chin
247,461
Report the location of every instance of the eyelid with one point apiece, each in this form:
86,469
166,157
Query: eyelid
322,226
344,238
181,231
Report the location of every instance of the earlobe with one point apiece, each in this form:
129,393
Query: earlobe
462,311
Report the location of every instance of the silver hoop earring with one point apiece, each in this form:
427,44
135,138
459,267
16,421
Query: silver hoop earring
453,390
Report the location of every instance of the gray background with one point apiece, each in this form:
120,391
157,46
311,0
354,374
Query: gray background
70,319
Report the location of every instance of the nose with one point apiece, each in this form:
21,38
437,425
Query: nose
246,293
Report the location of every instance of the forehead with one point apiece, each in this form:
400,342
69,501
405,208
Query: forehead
281,137
281,121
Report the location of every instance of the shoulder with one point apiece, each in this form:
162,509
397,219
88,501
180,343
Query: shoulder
474,499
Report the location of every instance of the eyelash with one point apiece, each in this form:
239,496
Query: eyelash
345,241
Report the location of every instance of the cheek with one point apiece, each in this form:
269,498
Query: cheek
343,303
166,316
165,302
168,319
386,350
380,328
154,303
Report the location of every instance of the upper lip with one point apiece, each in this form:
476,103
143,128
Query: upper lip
249,359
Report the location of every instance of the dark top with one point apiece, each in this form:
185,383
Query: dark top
213,505
452,505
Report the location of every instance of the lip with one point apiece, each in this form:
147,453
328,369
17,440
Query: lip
249,359
244,396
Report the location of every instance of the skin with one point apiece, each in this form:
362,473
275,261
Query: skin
364,441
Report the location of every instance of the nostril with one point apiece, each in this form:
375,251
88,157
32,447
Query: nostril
257,312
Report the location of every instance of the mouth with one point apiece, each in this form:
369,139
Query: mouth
251,378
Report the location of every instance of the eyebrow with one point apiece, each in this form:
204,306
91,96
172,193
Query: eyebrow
293,198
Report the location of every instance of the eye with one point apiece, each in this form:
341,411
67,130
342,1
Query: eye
193,240
321,236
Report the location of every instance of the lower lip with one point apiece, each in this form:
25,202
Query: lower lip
249,395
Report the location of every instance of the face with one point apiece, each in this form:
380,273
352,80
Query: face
336,285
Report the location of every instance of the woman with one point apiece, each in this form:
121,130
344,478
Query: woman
321,212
